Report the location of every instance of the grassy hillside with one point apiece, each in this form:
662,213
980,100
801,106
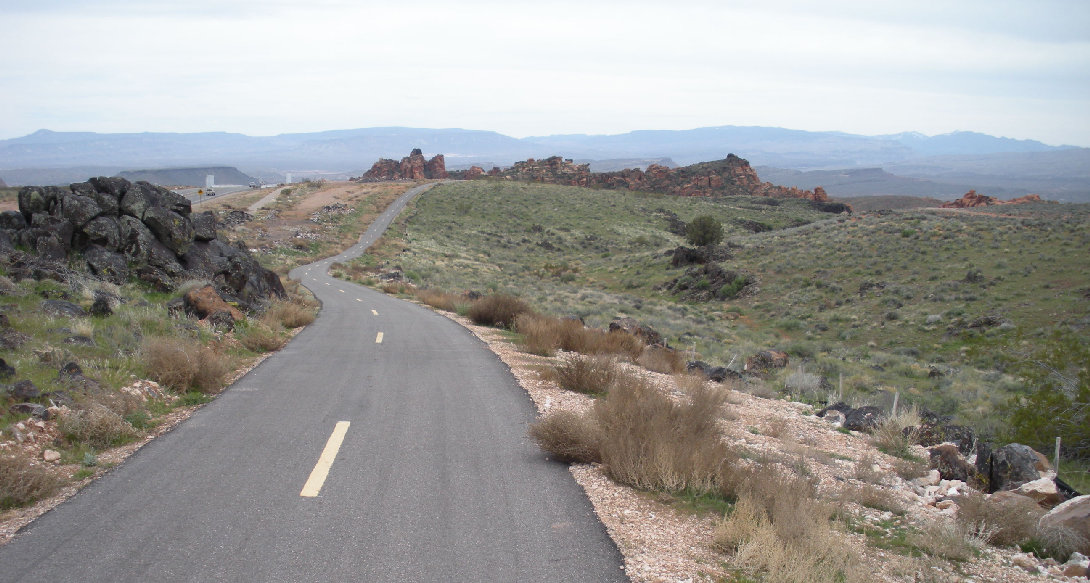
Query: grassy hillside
934,305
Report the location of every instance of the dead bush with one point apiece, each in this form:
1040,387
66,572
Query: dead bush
23,482
568,436
441,300
538,334
910,469
498,310
652,442
591,375
946,539
96,426
183,365
1058,541
871,496
1012,521
289,314
661,359
259,337
779,527
897,434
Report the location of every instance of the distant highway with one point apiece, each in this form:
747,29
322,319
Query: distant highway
221,190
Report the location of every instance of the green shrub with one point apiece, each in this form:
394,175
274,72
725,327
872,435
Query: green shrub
96,426
704,230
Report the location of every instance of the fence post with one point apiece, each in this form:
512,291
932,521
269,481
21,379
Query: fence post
1056,458
896,397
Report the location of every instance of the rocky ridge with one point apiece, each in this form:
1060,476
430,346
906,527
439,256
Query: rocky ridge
971,200
412,167
121,229
731,176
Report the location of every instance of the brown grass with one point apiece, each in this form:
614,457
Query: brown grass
441,300
184,365
897,434
260,336
538,334
1009,522
568,436
96,426
661,359
652,442
498,310
871,496
294,313
946,539
779,527
23,482
591,375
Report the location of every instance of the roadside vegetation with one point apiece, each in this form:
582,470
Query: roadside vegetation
951,311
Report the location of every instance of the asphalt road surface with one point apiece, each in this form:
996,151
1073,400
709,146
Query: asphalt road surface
191,193
384,443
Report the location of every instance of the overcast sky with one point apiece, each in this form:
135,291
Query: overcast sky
262,67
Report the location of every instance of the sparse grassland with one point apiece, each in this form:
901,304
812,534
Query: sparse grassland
935,305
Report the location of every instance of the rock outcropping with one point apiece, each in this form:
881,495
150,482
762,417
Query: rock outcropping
971,200
411,167
731,176
122,229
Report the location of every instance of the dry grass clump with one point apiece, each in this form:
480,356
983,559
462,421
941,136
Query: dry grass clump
661,359
441,300
780,528
260,336
23,482
184,365
1057,541
97,426
871,496
898,433
540,335
290,314
568,436
591,375
947,539
621,343
1011,521
652,442
497,310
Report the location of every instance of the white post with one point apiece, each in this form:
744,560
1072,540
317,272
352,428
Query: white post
896,396
209,180
1056,458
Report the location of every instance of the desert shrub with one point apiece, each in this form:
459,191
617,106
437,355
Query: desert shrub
897,433
946,539
652,442
661,359
619,343
568,436
182,365
704,230
910,469
445,301
779,527
289,314
591,375
497,310
96,426
1055,541
23,482
538,334
1002,523
259,337
872,496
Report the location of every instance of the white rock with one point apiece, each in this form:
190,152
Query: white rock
51,455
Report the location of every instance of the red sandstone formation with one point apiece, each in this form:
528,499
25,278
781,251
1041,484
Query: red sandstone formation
727,177
412,167
971,200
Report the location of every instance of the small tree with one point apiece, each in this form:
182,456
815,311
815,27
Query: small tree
704,230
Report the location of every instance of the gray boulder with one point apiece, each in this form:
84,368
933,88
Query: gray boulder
37,200
170,228
1014,464
204,226
77,210
107,264
105,231
24,391
62,308
12,220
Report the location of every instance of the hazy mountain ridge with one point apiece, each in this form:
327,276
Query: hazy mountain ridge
953,162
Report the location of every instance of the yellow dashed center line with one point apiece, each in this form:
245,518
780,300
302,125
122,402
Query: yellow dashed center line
325,461
378,339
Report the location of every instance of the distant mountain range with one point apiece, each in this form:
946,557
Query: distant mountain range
850,165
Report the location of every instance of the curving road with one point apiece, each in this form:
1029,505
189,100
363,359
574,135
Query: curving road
431,479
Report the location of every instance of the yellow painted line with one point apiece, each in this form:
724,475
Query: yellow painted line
374,312
378,339
325,461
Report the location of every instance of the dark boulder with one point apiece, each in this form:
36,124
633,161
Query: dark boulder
105,231
37,200
713,373
840,406
865,419
1012,465
106,264
62,308
112,185
961,436
766,360
156,278
101,307
12,220
72,377
170,228
77,210
33,409
253,283
687,256
108,197
204,226
649,336
222,320
24,391
6,370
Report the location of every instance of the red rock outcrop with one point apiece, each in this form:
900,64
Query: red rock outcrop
971,200
727,177
411,167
